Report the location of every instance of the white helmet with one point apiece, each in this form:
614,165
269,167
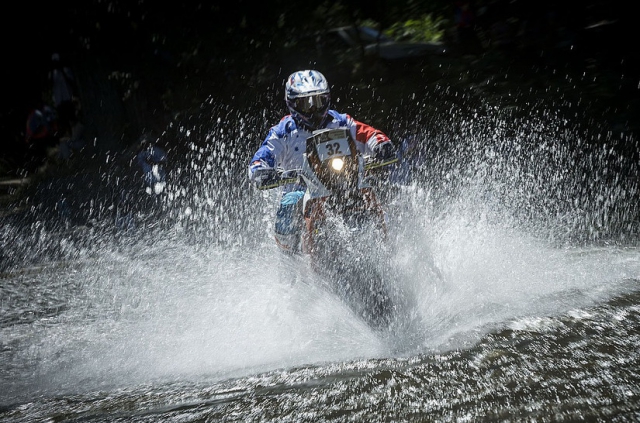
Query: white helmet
308,97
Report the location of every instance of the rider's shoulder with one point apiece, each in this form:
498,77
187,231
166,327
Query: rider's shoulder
339,119
285,127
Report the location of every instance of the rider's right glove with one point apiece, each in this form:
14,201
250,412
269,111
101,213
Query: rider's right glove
264,176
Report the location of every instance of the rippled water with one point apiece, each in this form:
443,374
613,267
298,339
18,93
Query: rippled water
517,256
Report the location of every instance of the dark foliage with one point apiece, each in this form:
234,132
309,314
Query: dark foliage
142,63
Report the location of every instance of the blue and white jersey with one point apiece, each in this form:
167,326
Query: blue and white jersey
285,143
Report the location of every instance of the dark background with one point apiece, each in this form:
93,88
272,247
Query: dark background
140,65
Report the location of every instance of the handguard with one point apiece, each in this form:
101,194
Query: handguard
385,152
264,176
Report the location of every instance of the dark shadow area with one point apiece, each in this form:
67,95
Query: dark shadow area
140,69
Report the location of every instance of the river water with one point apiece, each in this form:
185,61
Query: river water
517,255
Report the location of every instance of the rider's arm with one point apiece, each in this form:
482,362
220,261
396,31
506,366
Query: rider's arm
264,161
370,136
369,140
271,151
372,140
261,163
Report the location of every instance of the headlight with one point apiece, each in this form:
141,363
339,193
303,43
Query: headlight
337,164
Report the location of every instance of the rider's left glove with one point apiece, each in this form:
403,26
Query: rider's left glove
385,152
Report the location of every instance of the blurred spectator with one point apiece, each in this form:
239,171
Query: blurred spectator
464,18
135,201
63,91
40,135
151,160
41,124
67,104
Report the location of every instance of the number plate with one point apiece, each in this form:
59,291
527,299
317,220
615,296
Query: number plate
333,148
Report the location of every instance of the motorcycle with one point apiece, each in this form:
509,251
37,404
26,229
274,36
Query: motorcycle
344,227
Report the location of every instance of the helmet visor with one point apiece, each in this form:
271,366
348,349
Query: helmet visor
312,103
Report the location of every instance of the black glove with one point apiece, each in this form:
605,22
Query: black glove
385,152
264,176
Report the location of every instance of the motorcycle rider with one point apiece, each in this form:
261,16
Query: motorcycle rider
308,99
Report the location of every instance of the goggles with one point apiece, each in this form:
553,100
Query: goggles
311,103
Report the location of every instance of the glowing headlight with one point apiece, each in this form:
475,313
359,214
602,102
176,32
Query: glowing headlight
337,163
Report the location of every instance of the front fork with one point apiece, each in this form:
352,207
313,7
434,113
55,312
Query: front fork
314,216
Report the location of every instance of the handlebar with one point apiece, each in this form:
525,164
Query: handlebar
374,164
284,177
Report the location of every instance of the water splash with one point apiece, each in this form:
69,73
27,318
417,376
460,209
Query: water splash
505,218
